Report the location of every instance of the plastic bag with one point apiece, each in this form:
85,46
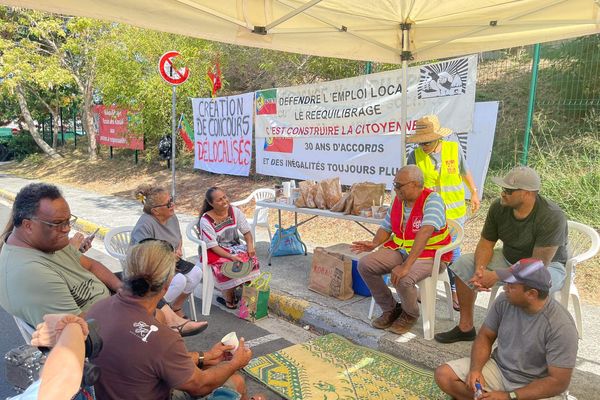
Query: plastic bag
288,242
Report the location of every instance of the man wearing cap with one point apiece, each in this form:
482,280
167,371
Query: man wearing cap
445,169
528,225
536,343
413,229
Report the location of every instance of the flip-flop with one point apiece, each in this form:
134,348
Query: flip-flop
192,332
455,305
227,304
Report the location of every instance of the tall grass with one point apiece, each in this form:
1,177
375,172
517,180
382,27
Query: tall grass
567,156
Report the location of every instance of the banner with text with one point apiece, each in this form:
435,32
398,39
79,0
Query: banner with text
370,105
375,159
113,124
350,128
223,134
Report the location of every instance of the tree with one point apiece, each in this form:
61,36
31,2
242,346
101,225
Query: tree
27,63
85,40
54,59
127,76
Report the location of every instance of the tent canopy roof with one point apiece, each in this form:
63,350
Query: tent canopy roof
369,30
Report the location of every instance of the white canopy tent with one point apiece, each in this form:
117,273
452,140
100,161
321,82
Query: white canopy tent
391,31
370,30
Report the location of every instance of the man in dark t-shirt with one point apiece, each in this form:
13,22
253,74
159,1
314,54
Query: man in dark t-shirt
528,225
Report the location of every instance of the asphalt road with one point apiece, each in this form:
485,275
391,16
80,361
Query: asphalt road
266,336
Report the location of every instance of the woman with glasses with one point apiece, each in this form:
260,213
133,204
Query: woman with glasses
445,169
160,222
219,226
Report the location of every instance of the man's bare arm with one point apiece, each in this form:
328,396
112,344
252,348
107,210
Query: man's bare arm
480,354
101,272
555,383
483,252
546,254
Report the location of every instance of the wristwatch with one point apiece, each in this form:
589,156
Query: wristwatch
513,396
200,362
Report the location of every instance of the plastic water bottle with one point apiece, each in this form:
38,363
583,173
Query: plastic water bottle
478,390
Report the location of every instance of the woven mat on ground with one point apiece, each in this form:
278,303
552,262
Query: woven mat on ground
330,367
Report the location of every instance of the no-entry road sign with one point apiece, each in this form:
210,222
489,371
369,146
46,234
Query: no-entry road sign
167,69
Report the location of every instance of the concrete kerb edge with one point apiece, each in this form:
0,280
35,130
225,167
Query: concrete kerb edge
82,225
321,319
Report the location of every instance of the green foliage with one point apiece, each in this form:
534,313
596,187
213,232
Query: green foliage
571,68
127,76
22,145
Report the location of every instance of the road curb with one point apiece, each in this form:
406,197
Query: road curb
322,319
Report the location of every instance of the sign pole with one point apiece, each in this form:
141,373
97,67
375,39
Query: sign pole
173,138
173,76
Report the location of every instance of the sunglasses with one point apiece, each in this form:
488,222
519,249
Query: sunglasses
398,185
508,191
163,242
428,143
57,225
168,204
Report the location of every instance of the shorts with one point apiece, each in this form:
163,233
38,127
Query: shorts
494,381
464,269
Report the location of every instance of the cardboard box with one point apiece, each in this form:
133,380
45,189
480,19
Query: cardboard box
358,285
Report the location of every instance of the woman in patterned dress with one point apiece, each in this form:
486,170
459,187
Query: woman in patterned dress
220,225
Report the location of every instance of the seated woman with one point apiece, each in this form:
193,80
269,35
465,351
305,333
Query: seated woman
141,357
218,226
160,222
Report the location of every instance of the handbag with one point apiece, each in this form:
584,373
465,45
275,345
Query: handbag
255,298
286,242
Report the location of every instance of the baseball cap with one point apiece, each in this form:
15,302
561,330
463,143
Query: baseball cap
520,177
528,271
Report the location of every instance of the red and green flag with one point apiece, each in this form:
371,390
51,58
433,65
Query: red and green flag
266,102
186,133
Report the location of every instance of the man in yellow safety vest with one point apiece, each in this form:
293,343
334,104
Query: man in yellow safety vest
445,169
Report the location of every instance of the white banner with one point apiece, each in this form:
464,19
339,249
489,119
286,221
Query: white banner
223,134
480,142
357,148
374,159
370,105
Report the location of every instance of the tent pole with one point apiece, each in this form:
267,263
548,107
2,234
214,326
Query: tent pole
406,55
532,88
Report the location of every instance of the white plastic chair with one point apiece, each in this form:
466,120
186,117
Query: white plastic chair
208,279
25,329
428,286
261,214
116,242
584,243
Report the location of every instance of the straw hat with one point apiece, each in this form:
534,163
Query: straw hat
235,269
428,129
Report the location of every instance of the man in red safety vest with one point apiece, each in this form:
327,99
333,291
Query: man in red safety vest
413,229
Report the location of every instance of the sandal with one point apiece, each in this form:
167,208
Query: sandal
182,315
191,332
227,304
